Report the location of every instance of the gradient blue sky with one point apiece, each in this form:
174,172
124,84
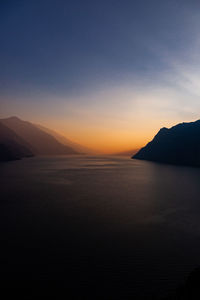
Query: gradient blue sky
107,74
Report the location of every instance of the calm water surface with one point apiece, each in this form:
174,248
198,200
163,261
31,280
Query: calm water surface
107,227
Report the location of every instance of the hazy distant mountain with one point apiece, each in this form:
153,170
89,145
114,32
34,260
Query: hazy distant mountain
177,145
63,140
41,143
11,145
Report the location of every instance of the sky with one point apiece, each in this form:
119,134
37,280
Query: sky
107,74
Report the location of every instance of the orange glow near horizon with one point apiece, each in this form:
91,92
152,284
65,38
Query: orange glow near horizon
109,121
114,92
108,140
107,143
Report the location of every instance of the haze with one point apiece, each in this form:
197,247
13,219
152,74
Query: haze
106,74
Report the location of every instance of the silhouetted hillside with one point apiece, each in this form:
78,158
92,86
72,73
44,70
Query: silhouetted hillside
177,145
65,141
41,143
11,145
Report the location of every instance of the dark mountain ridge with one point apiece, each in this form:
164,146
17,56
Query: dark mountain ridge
67,142
11,145
178,145
39,141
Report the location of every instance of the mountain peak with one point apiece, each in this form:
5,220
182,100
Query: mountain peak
179,145
40,142
14,118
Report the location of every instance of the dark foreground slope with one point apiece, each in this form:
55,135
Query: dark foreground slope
178,145
41,142
11,145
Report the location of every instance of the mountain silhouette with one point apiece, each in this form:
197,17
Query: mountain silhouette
178,145
39,141
11,145
67,142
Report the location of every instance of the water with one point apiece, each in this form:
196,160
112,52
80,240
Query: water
107,227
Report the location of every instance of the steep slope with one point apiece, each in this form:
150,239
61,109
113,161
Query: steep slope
177,145
63,140
11,145
41,143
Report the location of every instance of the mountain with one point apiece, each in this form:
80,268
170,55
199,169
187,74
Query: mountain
11,145
40,142
178,145
63,140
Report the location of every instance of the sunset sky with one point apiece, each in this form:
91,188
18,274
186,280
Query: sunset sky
106,74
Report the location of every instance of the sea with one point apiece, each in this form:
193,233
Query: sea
98,227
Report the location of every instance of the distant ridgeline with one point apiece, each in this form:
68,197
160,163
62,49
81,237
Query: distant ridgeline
178,145
20,139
